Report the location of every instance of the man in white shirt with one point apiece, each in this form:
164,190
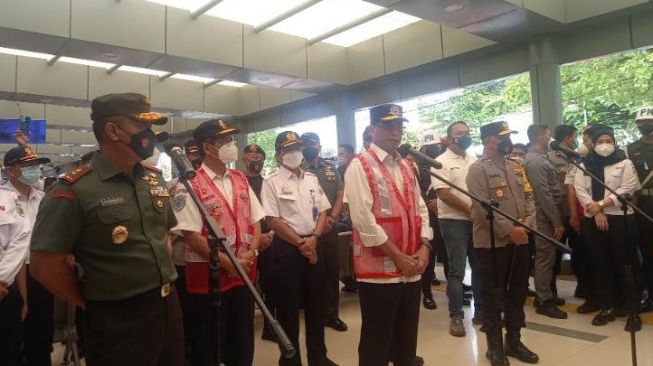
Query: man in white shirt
24,171
391,243
227,196
295,208
454,210
14,244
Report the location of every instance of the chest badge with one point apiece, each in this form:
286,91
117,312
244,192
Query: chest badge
119,234
159,203
285,190
500,193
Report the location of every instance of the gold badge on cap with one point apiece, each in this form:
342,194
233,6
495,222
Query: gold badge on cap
500,193
291,136
394,109
119,234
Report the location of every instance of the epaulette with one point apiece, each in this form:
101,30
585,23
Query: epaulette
152,168
72,176
274,173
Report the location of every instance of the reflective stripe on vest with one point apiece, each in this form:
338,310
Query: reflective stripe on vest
396,212
235,222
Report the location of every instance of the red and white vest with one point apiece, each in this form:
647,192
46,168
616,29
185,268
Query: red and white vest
235,222
396,212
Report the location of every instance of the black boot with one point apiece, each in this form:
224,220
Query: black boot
495,352
515,348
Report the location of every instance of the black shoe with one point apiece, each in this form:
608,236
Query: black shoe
587,307
467,302
531,293
580,293
548,308
495,353
620,312
337,324
515,348
559,301
429,303
436,282
537,302
467,288
635,325
268,335
647,305
467,295
419,361
603,317
477,320
349,288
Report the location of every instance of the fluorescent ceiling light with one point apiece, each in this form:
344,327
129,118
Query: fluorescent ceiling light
234,84
325,16
252,12
15,52
79,61
375,27
199,79
189,5
140,70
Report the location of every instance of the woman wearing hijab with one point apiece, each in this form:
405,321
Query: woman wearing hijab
603,227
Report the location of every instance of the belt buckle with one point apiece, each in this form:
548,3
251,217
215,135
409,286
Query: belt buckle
165,290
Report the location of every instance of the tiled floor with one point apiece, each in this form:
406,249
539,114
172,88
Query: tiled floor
439,348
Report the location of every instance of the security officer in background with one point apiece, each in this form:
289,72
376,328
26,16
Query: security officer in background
491,177
114,217
14,244
331,182
23,169
641,154
254,160
295,207
193,153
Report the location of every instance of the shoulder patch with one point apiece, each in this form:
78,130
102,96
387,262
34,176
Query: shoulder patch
64,194
271,175
76,174
152,168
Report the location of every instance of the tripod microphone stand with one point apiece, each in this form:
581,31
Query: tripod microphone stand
630,257
216,238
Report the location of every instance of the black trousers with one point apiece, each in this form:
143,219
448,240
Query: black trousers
296,282
144,330
39,324
646,248
390,317
513,267
611,252
581,264
11,326
265,273
180,285
235,327
329,255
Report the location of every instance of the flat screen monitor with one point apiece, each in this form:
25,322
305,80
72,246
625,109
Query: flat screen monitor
34,129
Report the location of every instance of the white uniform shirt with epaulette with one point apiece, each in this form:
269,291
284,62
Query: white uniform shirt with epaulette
14,235
30,205
297,201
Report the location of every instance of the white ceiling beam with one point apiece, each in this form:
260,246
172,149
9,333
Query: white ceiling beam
287,14
53,60
166,75
204,8
113,68
350,25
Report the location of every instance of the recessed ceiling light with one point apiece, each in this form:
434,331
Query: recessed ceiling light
109,55
231,83
454,8
140,70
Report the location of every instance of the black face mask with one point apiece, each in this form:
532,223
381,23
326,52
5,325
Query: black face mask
196,163
504,147
645,129
433,151
143,143
310,153
256,166
463,142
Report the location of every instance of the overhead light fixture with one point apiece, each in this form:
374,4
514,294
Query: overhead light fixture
140,70
252,12
199,79
454,8
79,61
15,52
375,27
189,5
231,83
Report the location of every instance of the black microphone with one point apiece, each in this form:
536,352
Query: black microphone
425,158
186,170
555,145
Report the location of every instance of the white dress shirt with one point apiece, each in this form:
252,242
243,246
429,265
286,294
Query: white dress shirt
15,231
189,217
621,177
291,198
454,169
359,197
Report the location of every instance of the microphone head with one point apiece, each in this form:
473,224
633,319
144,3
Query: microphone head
554,144
168,146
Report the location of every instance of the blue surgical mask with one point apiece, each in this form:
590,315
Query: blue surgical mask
30,175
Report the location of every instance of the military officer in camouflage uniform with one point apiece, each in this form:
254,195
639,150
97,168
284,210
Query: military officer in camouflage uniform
114,217
331,182
492,177
640,153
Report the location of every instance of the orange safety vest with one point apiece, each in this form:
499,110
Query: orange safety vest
235,222
396,212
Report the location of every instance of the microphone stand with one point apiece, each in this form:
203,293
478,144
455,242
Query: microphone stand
215,239
492,208
629,275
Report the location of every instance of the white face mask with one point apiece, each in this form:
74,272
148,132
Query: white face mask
604,149
154,159
583,150
228,153
293,159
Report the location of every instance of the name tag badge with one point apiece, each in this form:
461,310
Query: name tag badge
112,201
159,192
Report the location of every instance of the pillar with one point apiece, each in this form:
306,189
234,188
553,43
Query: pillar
546,93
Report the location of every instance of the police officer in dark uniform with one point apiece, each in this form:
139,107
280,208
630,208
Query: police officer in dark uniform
331,182
640,153
114,217
492,177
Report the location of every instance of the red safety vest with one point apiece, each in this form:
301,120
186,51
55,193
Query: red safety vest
396,212
235,222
